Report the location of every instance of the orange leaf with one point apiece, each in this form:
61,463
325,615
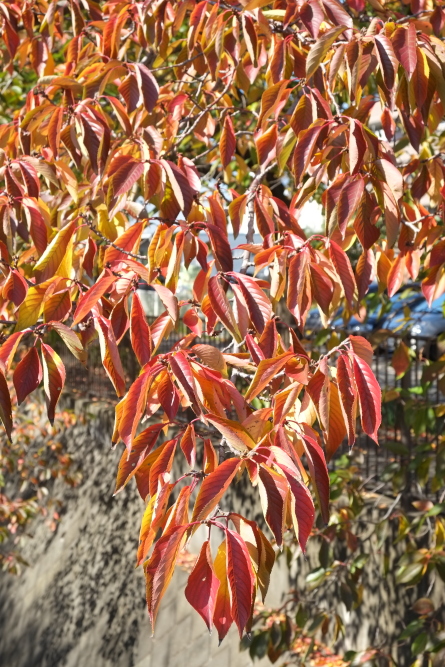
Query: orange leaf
139,331
213,488
111,360
89,298
188,445
222,616
235,434
227,143
265,373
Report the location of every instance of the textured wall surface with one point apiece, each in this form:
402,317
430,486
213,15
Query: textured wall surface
81,602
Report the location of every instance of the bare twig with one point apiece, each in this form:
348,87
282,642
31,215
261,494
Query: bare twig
251,214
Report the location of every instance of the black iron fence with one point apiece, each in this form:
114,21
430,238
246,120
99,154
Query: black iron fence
411,438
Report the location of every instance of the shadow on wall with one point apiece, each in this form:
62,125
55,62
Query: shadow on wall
81,603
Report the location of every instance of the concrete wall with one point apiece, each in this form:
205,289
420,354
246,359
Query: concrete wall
81,603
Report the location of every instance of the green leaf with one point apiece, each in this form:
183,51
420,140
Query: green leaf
419,644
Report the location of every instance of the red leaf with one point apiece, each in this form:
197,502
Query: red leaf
139,331
221,306
362,348
15,288
27,375
169,300
5,406
54,128
322,287
220,247
304,150
235,434
273,490
395,275
54,375
348,202
266,371
369,397
159,471
202,586
387,59
404,41
182,371
159,569
188,445
134,405
302,501
258,304
125,177
357,146
344,269
192,320
210,458
168,396
241,579
364,272
213,488
319,473
227,143
147,85
9,347
347,394
297,286
266,145
129,241
304,508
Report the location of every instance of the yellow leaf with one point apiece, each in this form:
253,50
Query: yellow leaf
235,434
31,308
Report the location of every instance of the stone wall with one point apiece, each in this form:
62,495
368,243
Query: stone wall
81,602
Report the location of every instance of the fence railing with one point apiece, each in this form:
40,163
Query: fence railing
411,437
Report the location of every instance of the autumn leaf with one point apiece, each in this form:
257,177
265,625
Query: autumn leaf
213,488
267,369
54,376
241,579
140,331
202,586
369,397
227,144
160,567
27,375
222,615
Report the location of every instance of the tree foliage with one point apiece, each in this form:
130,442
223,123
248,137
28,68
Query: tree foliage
194,121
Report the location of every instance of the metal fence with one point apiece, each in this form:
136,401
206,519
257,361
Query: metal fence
411,438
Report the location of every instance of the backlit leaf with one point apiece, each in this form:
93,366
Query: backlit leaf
202,586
